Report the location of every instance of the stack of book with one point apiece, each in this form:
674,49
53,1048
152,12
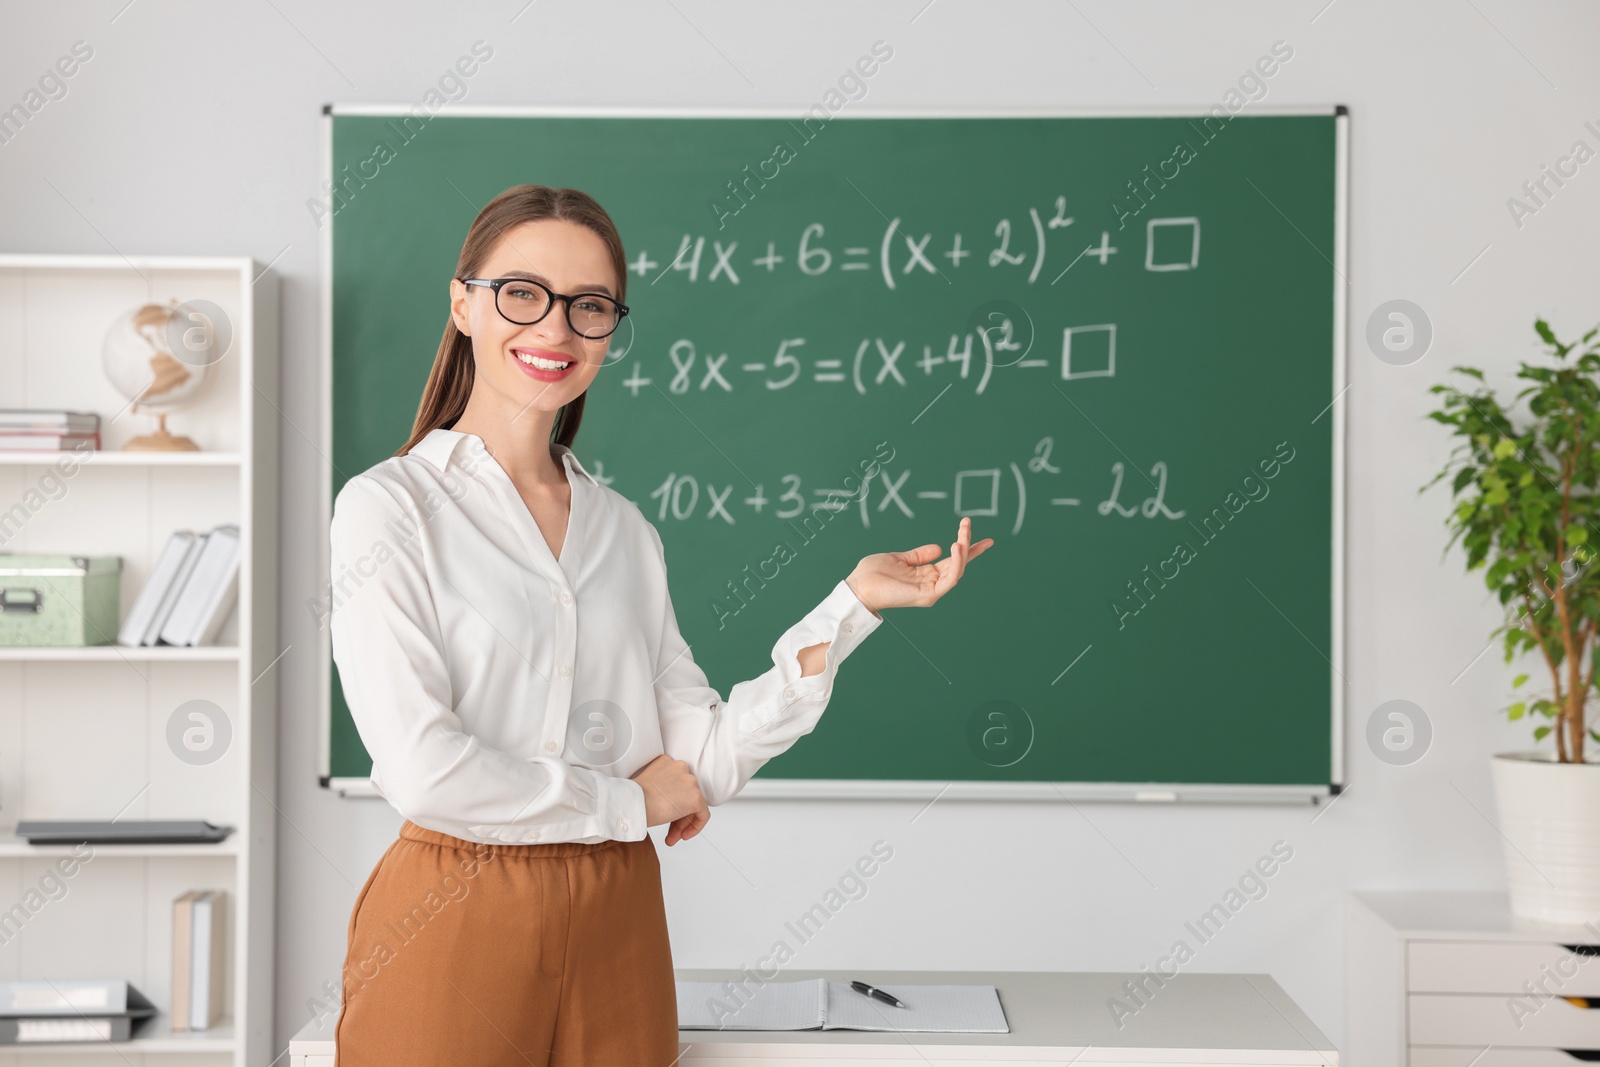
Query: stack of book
193,587
197,960
48,429
67,1010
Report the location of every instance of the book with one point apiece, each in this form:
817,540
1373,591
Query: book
169,598
48,420
206,961
30,441
81,1028
182,953
821,1004
209,593
142,617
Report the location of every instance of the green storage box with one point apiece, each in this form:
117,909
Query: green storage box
59,600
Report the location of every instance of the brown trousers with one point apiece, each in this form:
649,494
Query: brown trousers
550,955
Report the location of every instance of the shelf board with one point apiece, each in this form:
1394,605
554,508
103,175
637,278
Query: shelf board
14,847
103,653
154,1035
111,457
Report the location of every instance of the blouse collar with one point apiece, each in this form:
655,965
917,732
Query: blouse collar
440,445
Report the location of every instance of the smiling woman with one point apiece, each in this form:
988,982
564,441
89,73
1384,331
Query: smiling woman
516,671
500,310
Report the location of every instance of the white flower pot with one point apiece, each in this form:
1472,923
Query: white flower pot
1550,821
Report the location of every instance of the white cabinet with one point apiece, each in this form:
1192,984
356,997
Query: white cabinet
1441,979
84,732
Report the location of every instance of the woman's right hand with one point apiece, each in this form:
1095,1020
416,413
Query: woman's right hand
672,795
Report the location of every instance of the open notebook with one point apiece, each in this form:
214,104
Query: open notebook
820,1004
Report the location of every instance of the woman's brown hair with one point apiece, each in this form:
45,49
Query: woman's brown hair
450,382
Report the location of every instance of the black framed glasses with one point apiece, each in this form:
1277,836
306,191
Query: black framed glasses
522,301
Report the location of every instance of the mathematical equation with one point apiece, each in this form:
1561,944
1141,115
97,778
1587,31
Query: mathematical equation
978,492
1170,244
1087,351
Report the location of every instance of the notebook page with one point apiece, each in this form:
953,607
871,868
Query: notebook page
931,1009
798,1005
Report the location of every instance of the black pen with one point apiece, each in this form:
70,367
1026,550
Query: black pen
874,991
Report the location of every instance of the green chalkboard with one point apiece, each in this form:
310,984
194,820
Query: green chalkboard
1114,341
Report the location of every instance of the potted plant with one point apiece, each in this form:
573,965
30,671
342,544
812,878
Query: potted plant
1527,494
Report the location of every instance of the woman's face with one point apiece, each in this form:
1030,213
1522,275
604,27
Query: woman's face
566,258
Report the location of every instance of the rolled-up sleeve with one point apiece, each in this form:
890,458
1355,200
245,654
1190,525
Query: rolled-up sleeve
726,741
391,659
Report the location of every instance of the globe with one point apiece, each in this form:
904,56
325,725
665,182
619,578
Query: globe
140,363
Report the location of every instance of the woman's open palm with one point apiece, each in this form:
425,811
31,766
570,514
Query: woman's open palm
914,579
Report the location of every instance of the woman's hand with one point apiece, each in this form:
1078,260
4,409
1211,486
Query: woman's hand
672,795
912,579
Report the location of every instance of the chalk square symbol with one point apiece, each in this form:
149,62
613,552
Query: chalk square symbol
984,483
1094,355
1174,255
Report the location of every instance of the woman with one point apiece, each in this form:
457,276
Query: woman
513,664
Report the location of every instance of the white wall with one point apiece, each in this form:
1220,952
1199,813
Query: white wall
194,129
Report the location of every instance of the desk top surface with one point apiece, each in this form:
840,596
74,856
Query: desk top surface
1244,1013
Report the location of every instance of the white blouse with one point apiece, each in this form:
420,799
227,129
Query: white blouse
506,695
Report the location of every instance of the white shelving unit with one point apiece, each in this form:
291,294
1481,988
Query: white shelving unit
83,732
1453,979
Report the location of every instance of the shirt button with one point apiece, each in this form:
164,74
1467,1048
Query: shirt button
788,694
565,670
566,597
550,746
849,627
623,826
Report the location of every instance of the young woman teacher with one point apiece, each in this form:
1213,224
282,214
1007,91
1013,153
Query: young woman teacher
497,606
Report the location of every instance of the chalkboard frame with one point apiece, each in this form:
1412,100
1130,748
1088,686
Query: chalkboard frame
864,789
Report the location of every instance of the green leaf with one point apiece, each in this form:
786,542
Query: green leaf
1518,680
1505,448
1516,711
1541,733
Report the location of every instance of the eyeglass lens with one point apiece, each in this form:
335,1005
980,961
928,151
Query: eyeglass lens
590,315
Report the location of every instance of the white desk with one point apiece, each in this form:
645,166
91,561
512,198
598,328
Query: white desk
1055,1018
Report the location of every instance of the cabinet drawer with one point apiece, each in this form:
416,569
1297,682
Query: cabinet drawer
1495,1057
1444,1019
1501,967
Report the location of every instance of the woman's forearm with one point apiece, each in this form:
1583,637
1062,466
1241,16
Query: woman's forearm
813,658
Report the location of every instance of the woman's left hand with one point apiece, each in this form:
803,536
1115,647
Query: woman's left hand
686,826
912,579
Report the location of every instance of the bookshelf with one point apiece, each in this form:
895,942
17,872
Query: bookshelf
84,731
